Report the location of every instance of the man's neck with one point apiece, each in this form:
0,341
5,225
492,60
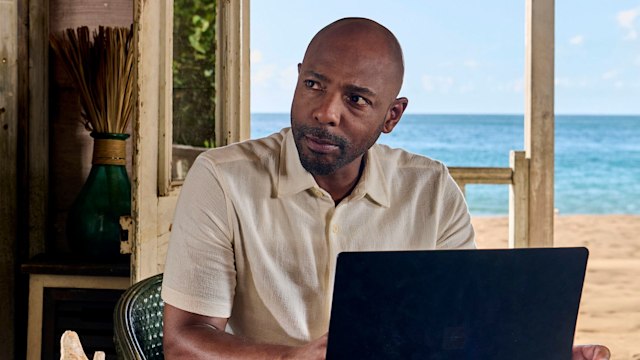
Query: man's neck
342,182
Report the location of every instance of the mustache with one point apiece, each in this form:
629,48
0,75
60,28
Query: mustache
322,134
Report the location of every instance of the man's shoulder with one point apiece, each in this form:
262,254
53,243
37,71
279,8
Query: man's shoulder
254,150
398,158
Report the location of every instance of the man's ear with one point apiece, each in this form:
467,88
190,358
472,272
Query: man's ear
394,114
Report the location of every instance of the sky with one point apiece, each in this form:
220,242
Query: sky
465,56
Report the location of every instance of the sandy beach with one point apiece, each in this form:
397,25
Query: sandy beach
610,306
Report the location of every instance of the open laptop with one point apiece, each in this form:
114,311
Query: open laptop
456,304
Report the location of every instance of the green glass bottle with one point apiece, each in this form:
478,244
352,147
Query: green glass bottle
93,223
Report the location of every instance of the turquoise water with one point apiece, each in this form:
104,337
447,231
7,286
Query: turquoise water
597,159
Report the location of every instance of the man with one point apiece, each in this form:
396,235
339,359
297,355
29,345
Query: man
259,224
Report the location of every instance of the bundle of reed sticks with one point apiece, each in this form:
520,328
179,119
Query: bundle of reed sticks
101,64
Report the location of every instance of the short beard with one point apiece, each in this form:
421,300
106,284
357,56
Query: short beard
312,165
347,152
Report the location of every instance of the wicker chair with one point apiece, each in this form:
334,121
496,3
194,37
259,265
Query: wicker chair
138,321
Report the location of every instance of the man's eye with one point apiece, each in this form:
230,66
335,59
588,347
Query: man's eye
311,84
358,100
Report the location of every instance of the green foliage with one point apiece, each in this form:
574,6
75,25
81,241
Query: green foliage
194,49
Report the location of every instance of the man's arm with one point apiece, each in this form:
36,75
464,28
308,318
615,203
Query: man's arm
192,336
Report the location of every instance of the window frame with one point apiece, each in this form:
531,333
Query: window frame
154,195
232,69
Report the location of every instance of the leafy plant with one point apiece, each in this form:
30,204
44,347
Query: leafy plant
194,48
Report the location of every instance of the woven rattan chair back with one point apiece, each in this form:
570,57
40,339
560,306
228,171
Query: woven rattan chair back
138,321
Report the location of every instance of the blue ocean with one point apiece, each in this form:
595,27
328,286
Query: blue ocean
597,158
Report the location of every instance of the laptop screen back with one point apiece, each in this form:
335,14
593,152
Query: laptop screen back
456,304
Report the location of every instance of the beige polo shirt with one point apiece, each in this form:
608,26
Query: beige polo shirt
255,239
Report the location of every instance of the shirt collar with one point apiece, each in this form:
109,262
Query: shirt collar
373,181
293,178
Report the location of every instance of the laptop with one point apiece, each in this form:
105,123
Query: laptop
456,304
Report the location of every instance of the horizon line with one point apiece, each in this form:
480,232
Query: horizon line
478,113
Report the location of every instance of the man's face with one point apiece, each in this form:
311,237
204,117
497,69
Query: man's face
342,102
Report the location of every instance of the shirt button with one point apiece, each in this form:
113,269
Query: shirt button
335,229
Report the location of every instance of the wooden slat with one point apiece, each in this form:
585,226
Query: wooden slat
8,171
163,246
88,13
166,209
519,201
539,118
144,187
481,175
165,127
38,126
232,72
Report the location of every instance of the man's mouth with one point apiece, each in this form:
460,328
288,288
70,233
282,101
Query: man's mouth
320,145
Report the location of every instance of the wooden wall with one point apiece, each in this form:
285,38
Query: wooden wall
44,152
8,172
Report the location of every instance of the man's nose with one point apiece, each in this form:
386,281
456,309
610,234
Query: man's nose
329,110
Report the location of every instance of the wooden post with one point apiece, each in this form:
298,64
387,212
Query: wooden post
150,49
232,72
8,172
539,118
38,125
463,187
165,115
519,200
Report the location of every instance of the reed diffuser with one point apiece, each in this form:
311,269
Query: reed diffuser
101,66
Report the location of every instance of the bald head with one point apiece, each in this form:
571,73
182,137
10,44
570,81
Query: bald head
346,96
369,38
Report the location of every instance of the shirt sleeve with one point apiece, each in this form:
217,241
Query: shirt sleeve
199,274
456,231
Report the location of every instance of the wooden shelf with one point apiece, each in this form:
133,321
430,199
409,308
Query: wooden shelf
68,264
